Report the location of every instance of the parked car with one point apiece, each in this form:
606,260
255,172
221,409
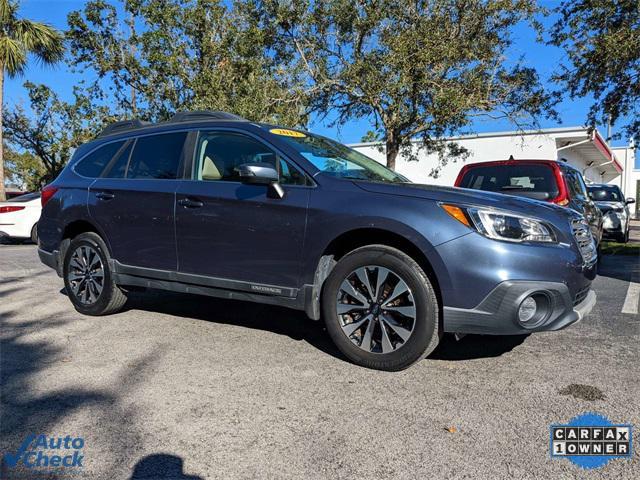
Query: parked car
615,210
19,217
211,204
546,180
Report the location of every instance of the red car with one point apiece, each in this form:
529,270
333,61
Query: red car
546,180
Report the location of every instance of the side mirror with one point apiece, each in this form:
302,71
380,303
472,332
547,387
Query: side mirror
261,174
257,173
630,200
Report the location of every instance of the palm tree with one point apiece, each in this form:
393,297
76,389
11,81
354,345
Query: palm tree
18,38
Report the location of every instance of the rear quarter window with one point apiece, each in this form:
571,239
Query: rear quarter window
93,164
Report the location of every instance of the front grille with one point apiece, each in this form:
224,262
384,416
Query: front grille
581,295
584,240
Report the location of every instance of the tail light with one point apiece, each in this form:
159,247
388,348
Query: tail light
10,209
46,194
563,192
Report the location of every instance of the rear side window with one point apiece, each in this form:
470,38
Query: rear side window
118,166
531,180
157,156
93,164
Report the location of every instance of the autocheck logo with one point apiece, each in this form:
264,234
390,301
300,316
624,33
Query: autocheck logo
43,451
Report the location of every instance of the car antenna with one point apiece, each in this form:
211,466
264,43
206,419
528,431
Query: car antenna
511,157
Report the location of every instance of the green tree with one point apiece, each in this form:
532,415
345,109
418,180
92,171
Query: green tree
419,69
602,41
18,38
183,55
51,130
23,169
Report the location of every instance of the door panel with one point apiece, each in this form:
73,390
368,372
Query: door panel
137,216
234,231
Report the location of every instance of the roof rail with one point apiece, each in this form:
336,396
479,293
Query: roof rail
204,115
122,126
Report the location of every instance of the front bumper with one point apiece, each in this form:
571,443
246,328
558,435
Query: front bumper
613,224
497,314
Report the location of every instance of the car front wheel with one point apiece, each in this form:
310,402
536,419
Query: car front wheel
88,278
381,309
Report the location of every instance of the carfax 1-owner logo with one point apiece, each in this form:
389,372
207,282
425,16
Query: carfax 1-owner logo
45,452
591,440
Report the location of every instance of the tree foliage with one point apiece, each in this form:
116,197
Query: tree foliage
50,130
20,37
602,41
419,69
23,169
162,56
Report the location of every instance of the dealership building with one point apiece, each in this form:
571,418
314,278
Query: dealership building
586,151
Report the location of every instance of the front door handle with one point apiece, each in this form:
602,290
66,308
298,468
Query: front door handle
190,203
105,196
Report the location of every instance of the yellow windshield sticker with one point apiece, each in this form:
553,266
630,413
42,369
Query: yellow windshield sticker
287,133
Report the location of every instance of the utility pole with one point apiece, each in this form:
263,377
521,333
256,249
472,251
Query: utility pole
132,52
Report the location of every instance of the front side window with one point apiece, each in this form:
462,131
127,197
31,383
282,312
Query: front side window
337,160
93,164
157,156
219,155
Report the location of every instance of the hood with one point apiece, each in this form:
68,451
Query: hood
608,206
466,196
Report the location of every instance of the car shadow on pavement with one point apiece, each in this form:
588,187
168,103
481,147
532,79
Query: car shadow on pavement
161,466
24,408
279,320
296,325
620,267
472,347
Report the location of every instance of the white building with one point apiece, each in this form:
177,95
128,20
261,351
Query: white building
629,180
588,152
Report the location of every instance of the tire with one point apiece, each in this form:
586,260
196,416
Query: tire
88,300
415,310
34,233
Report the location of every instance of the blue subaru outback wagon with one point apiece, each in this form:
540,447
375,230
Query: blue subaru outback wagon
209,203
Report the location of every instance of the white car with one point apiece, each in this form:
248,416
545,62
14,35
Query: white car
19,217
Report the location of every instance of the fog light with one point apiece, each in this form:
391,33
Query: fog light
527,310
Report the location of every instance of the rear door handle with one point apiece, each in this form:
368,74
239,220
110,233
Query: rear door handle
190,203
105,196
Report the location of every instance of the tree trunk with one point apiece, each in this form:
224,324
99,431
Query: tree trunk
392,150
2,192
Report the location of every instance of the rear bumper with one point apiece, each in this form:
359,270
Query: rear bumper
497,314
50,259
10,231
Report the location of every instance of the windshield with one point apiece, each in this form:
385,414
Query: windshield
605,194
337,160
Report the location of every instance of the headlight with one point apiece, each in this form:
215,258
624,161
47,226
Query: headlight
501,225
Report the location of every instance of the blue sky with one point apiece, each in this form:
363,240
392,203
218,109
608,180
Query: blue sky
544,58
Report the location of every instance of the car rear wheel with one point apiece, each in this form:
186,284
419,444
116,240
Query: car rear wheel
380,309
34,233
88,278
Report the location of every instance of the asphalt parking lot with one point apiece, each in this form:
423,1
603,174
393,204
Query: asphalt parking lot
184,387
